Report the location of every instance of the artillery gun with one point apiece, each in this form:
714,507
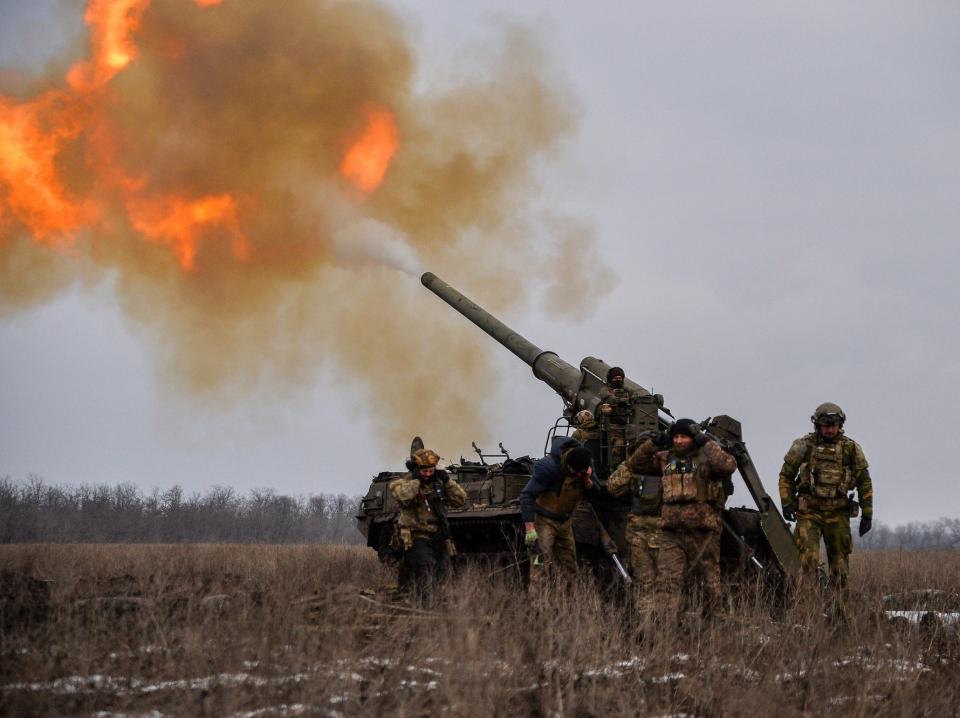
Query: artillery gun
755,540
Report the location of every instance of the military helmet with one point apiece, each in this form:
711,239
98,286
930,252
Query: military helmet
425,459
584,416
828,414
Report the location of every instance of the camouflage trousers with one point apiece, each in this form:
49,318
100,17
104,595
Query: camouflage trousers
834,527
557,547
643,539
617,439
691,556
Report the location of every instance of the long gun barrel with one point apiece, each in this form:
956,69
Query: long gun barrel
547,366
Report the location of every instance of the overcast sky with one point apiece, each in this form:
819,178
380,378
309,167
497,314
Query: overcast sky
776,185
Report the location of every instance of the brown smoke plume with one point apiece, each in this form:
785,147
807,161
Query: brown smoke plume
201,155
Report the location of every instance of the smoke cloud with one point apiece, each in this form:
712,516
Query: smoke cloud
199,165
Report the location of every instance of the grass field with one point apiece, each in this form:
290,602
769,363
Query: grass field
240,630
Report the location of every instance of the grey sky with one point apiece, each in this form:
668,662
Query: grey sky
778,188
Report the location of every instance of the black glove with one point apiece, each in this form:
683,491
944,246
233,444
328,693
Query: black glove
661,440
866,523
701,438
790,512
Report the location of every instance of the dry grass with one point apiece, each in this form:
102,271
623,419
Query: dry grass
280,630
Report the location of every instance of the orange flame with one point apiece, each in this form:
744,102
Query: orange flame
179,223
367,160
31,136
112,24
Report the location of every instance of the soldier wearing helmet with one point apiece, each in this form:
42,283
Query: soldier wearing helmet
820,472
679,483
589,434
587,428
423,495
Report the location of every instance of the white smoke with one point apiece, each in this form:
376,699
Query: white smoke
356,240
366,242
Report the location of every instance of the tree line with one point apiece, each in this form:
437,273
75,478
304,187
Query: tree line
32,510
943,533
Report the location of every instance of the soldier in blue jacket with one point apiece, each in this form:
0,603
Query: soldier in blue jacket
560,480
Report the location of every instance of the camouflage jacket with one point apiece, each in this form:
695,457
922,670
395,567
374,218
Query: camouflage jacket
693,491
587,431
645,492
413,497
824,471
620,403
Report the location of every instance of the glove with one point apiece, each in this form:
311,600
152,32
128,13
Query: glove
701,438
661,440
530,538
866,523
790,512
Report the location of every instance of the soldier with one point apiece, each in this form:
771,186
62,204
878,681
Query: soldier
423,495
695,474
644,523
617,410
560,480
819,474
587,427
589,435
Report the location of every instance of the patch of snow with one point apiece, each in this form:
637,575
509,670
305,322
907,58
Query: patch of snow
914,617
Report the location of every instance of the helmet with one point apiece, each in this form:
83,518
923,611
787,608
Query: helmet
615,371
425,459
584,416
687,427
828,414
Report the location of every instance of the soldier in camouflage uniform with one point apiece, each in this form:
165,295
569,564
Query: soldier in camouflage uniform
421,494
559,481
819,474
588,433
644,523
587,427
695,474
616,411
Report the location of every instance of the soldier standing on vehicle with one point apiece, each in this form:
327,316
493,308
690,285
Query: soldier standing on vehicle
695,476
819,474
644,524
588,433
423,495
616,413
559,481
